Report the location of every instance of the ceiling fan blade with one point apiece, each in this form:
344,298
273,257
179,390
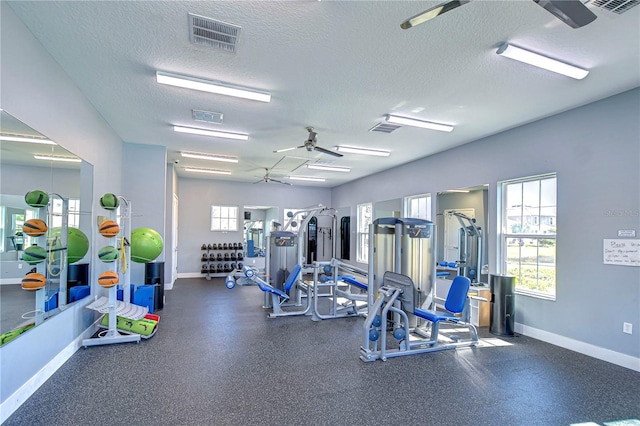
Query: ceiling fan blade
326,151
432,13
571,12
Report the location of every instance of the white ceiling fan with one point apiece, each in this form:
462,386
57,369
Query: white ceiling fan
571,12
310,145
267,175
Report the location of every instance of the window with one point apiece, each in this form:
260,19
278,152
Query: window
365,212
224,218
73,213
528,242
418,207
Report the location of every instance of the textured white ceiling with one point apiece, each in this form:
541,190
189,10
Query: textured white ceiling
335,65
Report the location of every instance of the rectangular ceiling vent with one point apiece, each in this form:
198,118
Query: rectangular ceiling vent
615,6
207,116
212,33
384,127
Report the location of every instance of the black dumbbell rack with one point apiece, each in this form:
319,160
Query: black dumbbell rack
219,259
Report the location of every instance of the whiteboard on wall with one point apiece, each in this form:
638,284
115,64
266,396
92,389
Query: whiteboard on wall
625,252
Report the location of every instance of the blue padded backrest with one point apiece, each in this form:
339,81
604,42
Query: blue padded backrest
457,296
291,279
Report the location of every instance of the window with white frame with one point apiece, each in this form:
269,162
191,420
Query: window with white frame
365,215
224,218
73,213
528,241
418,206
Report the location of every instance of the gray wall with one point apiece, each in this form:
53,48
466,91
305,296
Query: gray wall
197,196
18,180
38,92
595,151
144,169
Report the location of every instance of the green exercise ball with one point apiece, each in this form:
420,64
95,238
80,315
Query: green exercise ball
109,201
146,245
34,255
77,243
36,198
108,254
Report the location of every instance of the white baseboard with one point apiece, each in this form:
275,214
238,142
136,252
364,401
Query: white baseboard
608,355
190,275
13,402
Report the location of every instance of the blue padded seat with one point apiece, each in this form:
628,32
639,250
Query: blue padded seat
293,276
356,283
273,290
455,302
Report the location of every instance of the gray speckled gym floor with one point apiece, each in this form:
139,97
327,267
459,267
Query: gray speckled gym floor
217,360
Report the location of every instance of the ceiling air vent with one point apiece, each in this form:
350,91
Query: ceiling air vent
207,116
384,127
212,33
615,6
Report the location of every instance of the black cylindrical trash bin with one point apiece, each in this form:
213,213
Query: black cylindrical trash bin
502,305
154,275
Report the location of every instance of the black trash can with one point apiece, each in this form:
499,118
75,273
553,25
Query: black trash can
502,305
154,275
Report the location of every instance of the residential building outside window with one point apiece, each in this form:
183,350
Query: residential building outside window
528,240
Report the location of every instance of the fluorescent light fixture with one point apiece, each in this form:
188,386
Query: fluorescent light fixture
418,123
56,158
537,60
286,149
210,157
212,86
363,151
328,168
310,179
210,171
214,133
27,140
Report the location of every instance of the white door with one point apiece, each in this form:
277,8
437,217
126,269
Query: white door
174,232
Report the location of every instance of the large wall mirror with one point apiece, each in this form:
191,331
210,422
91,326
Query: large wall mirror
29,161
388,208
461,226
258,223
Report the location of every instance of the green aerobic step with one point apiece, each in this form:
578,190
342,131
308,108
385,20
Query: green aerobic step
144,327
